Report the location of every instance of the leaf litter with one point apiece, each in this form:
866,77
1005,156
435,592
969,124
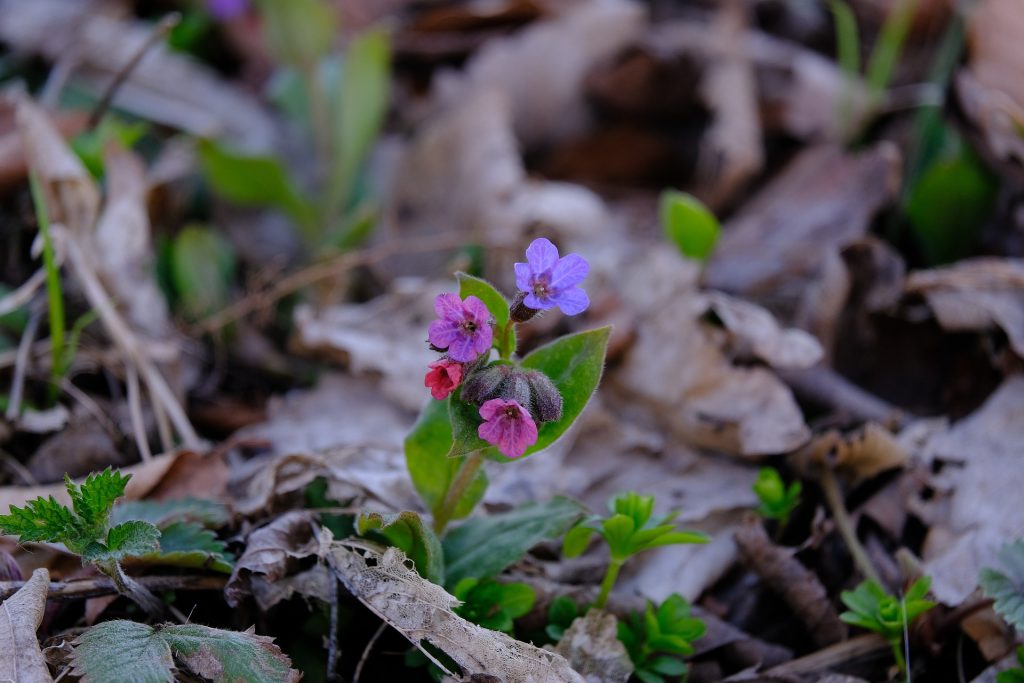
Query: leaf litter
511,121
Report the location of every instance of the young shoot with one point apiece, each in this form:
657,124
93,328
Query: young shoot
628,531
777,500
658,639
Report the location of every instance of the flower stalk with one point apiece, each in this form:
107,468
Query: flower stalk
471,464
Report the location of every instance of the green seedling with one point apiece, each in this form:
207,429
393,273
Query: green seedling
658,639
629,530
872,608
777,500
492,604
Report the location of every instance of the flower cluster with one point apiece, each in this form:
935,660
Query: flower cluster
510,399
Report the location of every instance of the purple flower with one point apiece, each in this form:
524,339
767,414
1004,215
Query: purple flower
464,327
227,9
508,426
550,281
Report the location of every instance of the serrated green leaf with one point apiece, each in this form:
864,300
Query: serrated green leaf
208,513
484,546
133,539
407,532
431,470
93,499
41,520
688,224
1005,587
256,181
360,105
187,544
128,652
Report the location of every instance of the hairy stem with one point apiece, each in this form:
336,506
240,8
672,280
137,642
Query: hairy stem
465,476
607,584
834,499
132,589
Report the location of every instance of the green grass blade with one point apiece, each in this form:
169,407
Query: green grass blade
54,294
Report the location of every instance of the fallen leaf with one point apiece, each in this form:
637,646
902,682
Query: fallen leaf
983,453
270,552
976,294
592,647
20,616
422,611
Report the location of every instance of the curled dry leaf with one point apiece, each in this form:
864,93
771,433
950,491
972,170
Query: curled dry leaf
270,552
983,453
976,294
793,582
20,616
592,647
755,332
422,611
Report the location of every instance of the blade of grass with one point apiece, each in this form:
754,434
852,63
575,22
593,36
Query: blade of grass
848,54
889,46
54,293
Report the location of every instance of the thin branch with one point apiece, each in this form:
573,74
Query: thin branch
366,651
97,586
14,300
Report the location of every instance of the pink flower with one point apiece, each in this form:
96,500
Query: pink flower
508,426
443,378
464,327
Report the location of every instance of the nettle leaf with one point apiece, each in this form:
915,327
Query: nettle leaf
93,499
1005,587
407,532
187,544
689,224
208,513
132,539
41,520
431,470
482,547
128,652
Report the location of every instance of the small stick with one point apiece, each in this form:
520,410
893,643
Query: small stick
101,585
23,294
159,31
135,411
833,655
366,651
163,426
21,367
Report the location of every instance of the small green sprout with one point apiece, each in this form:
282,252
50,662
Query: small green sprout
872,608
630,530
777,500
658,639
492,604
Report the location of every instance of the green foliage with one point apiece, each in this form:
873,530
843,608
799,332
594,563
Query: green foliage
298,32
948,205
491,604
94,498
129,652
777,500
504,334
430,468
561,613
202,268
890,43
872,608
407,532
90,144
658,639
688,224
630,529
188,544
129,539
484,546
1016,674
1007,587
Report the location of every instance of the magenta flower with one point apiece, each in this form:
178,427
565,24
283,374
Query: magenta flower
508,426
550,281
443,378
464,327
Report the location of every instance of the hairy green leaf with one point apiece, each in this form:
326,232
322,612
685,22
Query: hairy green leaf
133,539
209,513
482,547
41,520
122,652
93,499
187,544
407,532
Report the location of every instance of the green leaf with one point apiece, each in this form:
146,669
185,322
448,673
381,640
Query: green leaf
431,470
407,532
127,652
187,544
1005,587
618,532
648,676
202,270
41,520
688,224
562,611
360,106
209,513
259,181
517,598
132,539
485,291
948,207
668,666
298,32
465,422
574,364
93,499
484,546
577,540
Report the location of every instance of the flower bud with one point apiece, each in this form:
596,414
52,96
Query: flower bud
547,401
519,311
483,384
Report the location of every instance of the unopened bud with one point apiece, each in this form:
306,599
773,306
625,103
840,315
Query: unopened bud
482,385
547,401
519,311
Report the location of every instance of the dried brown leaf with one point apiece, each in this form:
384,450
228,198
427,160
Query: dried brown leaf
756,332
271,551
20,615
